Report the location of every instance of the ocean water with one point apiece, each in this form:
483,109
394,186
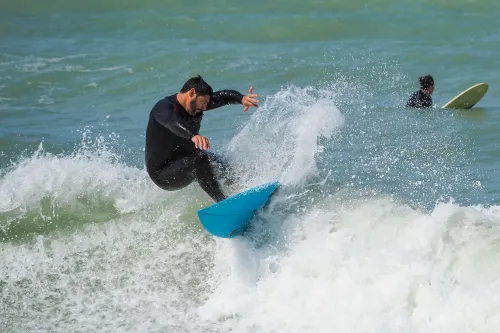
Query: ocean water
388,219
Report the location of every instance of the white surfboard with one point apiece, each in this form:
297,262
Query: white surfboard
468,98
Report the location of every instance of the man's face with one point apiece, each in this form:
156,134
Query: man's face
197,103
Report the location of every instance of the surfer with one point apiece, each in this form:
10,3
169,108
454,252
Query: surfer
422,98
175,151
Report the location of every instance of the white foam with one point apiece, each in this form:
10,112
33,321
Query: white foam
281,138
374,266
44,99
62,64
66,178
126,275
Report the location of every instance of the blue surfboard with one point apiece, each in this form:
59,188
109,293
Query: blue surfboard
229,217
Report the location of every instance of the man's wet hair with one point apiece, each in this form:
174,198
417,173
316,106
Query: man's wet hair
200,86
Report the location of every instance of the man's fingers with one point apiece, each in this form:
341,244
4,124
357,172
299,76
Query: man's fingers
197,140
205,144
251,101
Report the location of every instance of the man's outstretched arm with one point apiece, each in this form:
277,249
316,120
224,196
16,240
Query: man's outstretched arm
226,97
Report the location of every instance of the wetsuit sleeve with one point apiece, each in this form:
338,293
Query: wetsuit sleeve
167,118
224,97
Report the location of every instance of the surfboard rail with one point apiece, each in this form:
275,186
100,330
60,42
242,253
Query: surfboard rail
229,217
468,98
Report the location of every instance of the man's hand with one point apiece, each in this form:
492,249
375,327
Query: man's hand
201,142
249,100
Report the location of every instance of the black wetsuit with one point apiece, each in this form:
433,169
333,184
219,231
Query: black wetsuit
419,100
172,161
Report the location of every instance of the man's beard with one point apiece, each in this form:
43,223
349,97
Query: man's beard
192,107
